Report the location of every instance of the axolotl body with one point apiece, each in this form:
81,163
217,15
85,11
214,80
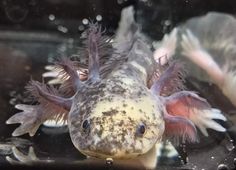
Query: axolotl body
121,108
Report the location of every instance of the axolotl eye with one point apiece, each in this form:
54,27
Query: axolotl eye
86,125
141,129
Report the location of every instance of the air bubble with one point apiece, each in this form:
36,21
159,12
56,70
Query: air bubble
167,22
230,146
85,21
81,28
235,162
62,29
98,17
51,17
109,161
222,167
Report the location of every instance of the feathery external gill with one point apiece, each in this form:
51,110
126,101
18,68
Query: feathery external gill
93,41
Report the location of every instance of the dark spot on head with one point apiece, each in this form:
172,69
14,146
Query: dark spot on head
110,112
124,105
153,116
100,132
102,95
131,120
139,93
112,128
140,110
103,119
102,85
110,99
121,123
118,89
123,137
132,108
124,112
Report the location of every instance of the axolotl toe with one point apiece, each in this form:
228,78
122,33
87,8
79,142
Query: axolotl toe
123,108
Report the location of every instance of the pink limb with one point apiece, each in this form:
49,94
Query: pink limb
167,47
177,127
192,49
190,106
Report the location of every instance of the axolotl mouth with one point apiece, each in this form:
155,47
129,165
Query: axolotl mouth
121,140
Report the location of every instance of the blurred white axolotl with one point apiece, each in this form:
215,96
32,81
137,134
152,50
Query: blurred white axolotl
209,42
119,108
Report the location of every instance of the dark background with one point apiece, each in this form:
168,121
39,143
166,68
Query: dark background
151,14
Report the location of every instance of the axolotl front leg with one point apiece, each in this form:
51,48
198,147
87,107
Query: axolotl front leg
184,109
51,105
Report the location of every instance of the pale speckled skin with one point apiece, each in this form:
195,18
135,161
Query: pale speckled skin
115,108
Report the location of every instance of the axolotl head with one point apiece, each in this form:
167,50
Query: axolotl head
114,121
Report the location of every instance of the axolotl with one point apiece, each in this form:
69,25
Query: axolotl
122,107
198,44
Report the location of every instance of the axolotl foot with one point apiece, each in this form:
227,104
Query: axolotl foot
166,49
193,50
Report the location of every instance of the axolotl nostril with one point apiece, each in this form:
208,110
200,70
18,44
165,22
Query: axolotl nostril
115,103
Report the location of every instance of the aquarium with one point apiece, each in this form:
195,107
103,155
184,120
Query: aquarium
118,84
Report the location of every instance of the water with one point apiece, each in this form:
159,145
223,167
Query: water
24,54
